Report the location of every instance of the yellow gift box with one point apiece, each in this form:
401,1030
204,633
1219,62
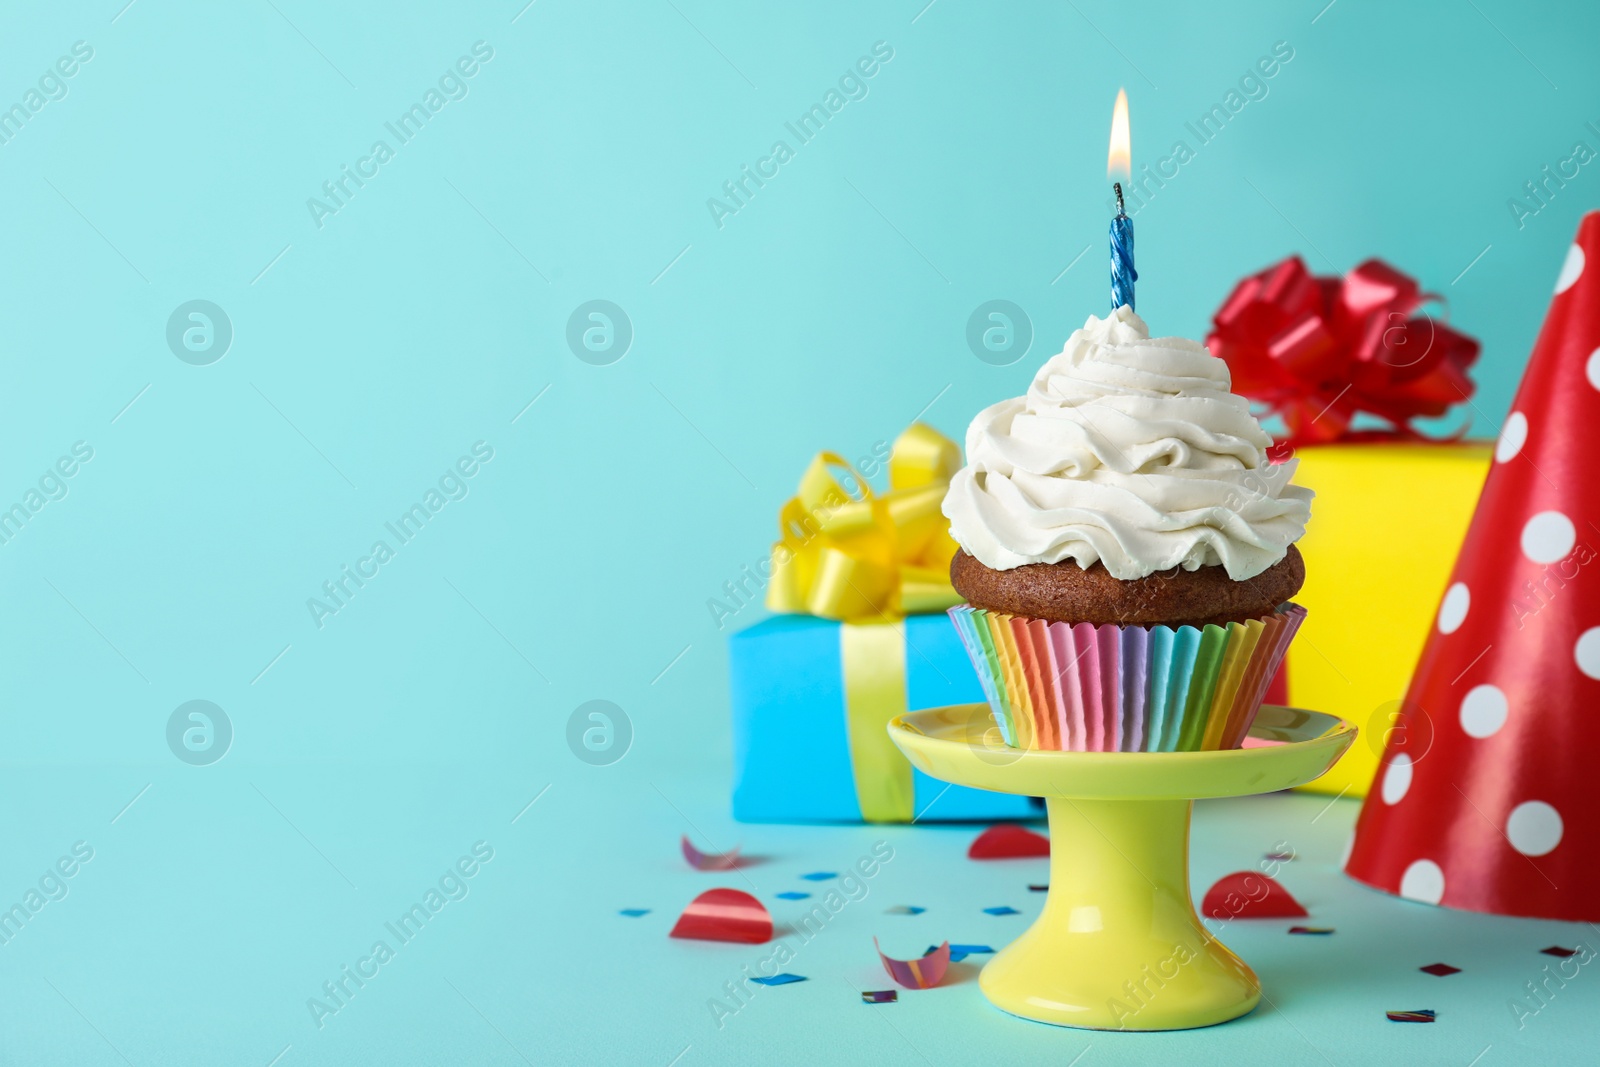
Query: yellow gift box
1385,529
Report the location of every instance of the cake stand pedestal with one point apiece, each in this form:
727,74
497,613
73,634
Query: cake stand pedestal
1118,945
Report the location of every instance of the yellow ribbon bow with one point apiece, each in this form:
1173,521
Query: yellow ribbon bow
849,554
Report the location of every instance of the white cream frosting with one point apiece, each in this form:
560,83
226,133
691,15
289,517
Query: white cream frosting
1129,450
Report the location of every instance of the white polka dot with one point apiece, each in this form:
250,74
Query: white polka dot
1397,779
1423,881
1483,711
1570,269
1453,612
1534,828
1587,652
1592,368
1548,537
1512,437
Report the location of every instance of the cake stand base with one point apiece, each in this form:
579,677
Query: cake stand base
1118,945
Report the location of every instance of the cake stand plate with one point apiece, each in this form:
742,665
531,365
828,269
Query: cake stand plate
1118,945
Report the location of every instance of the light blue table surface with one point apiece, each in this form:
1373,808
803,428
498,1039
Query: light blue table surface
206,921
216,491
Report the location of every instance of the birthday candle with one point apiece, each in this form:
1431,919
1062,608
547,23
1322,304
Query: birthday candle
1122,273
1120,161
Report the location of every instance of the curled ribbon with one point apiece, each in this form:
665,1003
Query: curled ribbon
1318,350
847,553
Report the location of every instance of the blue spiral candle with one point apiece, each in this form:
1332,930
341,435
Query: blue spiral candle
1122,273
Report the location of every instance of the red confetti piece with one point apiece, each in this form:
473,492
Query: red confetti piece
1425,1015
725,915
1311,929
1008,842
709,861
1557,950
1439,970
1250,895
921,973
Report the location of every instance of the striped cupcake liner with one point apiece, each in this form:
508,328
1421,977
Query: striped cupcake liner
1086,688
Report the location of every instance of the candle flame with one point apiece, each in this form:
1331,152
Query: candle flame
1119,162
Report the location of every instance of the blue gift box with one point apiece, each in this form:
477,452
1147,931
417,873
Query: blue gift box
792,757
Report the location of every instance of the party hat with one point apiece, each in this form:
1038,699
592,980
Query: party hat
1486,797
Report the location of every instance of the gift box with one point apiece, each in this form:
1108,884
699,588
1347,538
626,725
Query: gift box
1385,528
810,744
1348,363
863,580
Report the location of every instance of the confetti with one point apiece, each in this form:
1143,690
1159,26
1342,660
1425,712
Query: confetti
904,909
1279,857
725,915
961,952
1008,842
1039,888
1426,1015
1557,950
880,996
1002,910
792,895
709,861
1311,929
1250,895
1439,970
819,876
780,979
919,973
634,913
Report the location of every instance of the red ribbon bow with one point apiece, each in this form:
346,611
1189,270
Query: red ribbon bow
1318,350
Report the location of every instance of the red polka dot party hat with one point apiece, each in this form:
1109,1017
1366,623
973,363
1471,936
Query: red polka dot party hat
1486,798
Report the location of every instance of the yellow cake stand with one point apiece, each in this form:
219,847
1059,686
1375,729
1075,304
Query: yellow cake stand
1118,945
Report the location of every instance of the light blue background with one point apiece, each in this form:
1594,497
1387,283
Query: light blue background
425,316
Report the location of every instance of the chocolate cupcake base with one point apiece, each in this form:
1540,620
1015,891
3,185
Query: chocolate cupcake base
1066,592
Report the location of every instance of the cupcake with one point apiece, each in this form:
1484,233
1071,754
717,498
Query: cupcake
1127,549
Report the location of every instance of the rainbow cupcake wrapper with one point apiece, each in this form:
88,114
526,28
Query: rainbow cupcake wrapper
1086,688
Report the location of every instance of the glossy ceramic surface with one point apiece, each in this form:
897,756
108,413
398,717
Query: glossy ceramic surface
1118,945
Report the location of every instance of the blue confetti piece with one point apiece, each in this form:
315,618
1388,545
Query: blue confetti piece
634,913
792,895
819,876
961,952
905,909
1002,910
780,979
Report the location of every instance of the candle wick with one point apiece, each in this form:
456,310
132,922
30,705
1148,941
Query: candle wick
1117,187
